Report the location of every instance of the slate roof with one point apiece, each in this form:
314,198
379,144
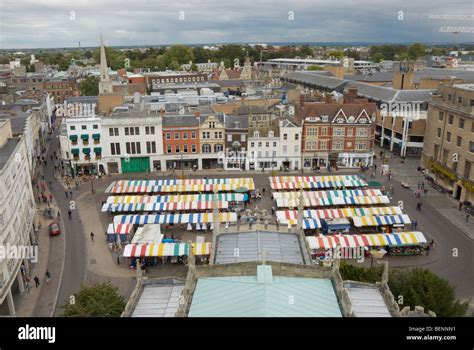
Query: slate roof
247,109
281,247
180,121
230,120
264,295
159,300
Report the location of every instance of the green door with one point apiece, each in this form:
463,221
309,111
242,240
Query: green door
135,165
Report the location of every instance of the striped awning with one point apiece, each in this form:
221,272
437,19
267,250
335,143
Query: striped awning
332,201
122,229
328,194
223,197
311,224
369,240
192,218
160,207
285,215
179,185
323,178
361,221
165,249
316,185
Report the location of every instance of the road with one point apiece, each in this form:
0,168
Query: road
74,251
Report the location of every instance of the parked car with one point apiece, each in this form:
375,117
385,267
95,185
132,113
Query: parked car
54,229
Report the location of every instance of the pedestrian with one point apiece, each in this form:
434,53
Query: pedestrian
427,249
432,243
467,217
23,269
37,281
48,276
416,224
69,213
50,197
263,190
273,210
59,214
66,193
92,236
418,206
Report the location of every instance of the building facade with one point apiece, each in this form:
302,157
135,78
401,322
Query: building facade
212,138
17,211
448,151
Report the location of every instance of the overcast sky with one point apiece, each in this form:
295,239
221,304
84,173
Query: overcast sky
63,23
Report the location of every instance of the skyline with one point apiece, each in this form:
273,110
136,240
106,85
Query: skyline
58,24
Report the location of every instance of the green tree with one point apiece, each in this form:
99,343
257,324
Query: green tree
353,54
361,274
90,86
193,67
314,67
421,287
377,57
179,53
99,300
416,50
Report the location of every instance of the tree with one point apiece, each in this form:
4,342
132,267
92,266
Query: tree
421,287
378,57
314,67
353,54
99,300
355,273
193,67
90,86
416,51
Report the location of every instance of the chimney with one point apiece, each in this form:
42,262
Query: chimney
351,94
162,112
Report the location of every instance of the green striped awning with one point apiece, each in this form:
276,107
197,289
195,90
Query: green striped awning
97,149
85,137
86,150
96,136
73,137
75,151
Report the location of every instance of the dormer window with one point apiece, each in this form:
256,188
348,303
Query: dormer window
256,134
271,134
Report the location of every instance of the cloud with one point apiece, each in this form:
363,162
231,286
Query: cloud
61,23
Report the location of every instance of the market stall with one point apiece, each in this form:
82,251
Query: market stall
179,185
222,197
322,178
386,220
329,194
163,207
122,230
293,186
310,201
165,250
193,218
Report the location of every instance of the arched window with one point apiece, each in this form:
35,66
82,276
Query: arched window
206,148
217,148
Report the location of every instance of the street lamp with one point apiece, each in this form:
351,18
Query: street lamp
91,175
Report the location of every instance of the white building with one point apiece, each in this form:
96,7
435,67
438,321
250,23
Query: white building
133,142
263,147
17,210
289,154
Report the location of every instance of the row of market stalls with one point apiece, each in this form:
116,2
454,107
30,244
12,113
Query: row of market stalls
180,185
354,214
170,204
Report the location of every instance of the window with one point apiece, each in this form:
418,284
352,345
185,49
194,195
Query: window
267,144
176,149
115,148
193,148
311,131
297,137
471,146
361,146
185,135
461,123
176,135
459,99
185,148
467,169
439,132
193,134
127,132
259,144
206,135
217,148
73,127
311,145
218,134
274,144
450,119
149,130
296,148
361,132
243,137
338,132
285,137
448,137
285,149
168,149
349,132
168,136
337,145
324,131
113,131
212,125
84,127
252,144
440,116
95,126
206,148
459,141
151,147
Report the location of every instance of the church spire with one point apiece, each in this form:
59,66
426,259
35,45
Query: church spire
105,85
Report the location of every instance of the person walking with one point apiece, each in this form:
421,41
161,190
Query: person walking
59,214
37,281
70,193
48,276
92,236
66,193
69,213
418,206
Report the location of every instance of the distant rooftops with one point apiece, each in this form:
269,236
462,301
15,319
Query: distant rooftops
7,151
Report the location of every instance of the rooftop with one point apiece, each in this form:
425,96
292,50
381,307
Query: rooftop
367,301
281,247
7,150
264,295
159,300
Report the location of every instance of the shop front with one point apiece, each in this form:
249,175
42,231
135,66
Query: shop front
315,160
355,160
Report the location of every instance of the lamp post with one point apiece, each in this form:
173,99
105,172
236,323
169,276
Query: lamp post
91,174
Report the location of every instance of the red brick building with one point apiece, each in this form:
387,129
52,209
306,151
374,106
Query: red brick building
339,134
